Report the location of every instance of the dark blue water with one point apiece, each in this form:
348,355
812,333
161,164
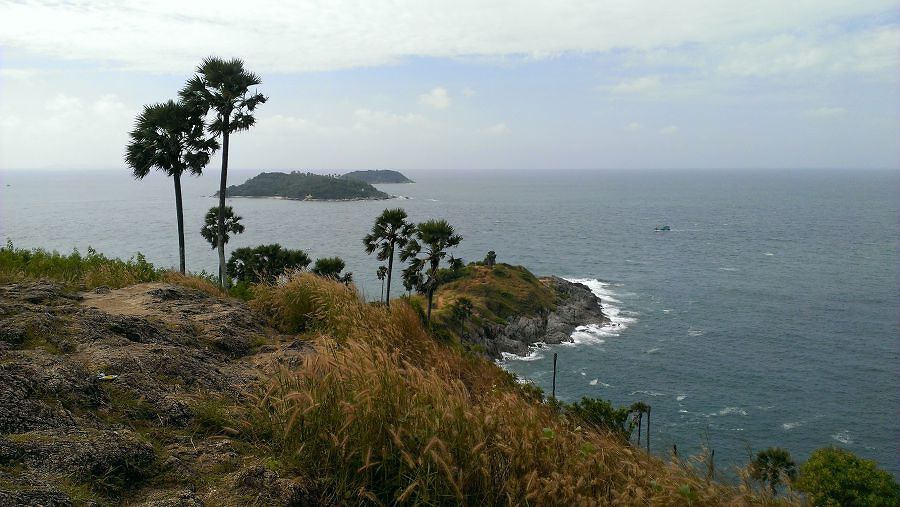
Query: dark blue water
767,316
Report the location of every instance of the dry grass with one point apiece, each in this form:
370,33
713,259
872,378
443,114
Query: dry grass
382,413
192,282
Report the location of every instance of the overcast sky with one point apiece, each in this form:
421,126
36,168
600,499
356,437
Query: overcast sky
469,83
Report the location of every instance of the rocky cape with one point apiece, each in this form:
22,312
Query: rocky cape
576,306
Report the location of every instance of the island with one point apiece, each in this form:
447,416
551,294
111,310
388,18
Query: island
306,187
377,176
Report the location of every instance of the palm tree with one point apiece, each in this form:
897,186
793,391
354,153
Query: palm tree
331,267
223,86
773,465
434,237
381,274
169,136
210,228
391,231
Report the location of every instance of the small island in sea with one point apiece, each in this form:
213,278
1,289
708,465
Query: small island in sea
305,186
377,176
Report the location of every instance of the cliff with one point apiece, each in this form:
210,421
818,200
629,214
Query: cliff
513,309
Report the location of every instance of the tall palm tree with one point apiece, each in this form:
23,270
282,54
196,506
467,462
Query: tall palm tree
432,239
391,231
381,274
223,87
170,137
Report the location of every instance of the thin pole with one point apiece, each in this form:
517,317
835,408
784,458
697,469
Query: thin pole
554,377
648,428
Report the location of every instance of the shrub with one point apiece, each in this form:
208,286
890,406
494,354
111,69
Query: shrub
837,477
264,263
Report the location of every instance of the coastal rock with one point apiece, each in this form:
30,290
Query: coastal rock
576,306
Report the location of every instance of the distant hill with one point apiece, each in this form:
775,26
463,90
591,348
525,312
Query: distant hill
305,186
377,176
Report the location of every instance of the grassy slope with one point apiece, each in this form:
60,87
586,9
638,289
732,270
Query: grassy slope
496,294
382,413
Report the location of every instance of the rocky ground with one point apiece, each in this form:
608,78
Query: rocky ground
120,396
576,306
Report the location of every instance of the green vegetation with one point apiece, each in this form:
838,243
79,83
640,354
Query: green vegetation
773,466
431,239
210,229
169,137
390,231
377,176
223,87
306,186
837,477
499,293
74,270
264,263
331,267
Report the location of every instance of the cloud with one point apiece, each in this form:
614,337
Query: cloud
367,119
437,98
826,112
669,130
468,92
497,130
639,85
19,74
172,36
632,127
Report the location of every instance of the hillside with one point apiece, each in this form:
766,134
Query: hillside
512,309
304,186
166,393
377,176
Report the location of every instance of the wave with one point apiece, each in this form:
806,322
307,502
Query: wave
648,393
596,381
843,437
791,425
619,319
730,411
534,353
680,397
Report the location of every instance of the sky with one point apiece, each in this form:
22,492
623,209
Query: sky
468,84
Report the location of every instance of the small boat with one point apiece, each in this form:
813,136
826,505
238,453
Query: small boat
662,228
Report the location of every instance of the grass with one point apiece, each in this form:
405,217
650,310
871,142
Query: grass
382,413
497,294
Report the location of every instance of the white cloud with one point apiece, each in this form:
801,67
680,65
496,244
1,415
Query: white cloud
276,36
64,103
18,74
639,85
437,98
669,130
497,130
825,112
632,127
866,51
369,119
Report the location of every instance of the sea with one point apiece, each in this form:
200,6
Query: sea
766,316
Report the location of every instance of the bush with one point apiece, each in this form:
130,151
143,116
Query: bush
602,414
837,477
264,263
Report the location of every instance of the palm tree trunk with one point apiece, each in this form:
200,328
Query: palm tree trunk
648,429
387,297
180,214
428,316
640,422
382,289
220,230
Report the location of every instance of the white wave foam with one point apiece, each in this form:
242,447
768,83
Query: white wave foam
654,349
729,269
791,425
680,397
843,437
534,353
768,254
648,393
619,320
695,332
731,411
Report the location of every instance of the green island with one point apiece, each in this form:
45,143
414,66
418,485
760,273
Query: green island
305,186
378,176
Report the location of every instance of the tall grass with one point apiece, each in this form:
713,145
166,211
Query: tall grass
74,270
382,413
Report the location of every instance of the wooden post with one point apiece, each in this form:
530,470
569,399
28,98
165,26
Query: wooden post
648,428
554,378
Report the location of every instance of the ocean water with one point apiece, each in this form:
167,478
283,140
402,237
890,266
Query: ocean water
768,315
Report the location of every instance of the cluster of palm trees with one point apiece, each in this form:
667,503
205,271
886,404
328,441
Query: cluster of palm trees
178,137
422,246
